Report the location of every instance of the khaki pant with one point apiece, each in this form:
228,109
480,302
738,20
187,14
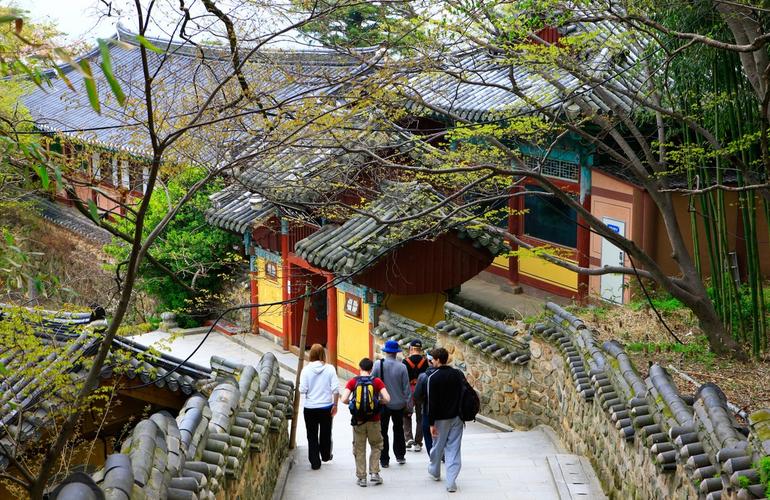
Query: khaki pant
361,433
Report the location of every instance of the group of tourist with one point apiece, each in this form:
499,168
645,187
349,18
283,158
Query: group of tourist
388,391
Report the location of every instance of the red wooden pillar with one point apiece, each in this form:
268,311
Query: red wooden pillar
584,234
331,321
285,270
254,288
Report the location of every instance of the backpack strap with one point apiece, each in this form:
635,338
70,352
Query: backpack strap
427,391
410,363
421,363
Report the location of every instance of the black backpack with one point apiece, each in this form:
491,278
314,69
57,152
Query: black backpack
364,401
470,404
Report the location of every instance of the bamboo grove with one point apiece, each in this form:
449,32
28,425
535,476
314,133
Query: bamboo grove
709,85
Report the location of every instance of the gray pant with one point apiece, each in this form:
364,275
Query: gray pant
417,436
450,436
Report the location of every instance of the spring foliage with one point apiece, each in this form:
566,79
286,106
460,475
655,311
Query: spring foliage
199,254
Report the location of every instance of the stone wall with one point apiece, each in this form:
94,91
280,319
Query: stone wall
258,477
543,392
228,441
644,439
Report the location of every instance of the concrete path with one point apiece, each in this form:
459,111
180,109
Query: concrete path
496,465
244,348
506,465
495,296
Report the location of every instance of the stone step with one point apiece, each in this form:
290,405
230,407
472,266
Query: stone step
574,477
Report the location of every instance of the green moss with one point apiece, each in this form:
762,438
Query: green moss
761,421
763,466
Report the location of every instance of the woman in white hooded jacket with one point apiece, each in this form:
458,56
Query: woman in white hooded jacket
321,388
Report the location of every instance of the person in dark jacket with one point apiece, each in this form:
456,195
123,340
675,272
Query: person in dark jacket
415,365
444,391
420,398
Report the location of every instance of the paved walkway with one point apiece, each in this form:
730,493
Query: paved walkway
507,465
495,296
496,465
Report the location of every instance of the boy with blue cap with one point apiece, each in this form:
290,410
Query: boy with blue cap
393,373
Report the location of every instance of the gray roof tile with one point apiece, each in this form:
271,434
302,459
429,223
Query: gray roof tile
362,240
279,75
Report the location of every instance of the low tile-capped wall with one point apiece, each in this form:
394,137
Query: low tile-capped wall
644,438
499,340
228,441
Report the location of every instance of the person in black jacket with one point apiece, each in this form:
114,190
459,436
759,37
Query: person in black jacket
444,388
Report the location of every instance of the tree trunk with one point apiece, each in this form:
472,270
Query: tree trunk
697,299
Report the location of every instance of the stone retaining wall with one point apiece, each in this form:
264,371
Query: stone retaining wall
229,440
258,477
644,439
542,392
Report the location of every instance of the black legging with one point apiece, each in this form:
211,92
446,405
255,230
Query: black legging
399,445
318,423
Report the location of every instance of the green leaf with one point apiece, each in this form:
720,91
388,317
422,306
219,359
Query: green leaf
8,18
93,96
106,65
42,172
64,78
57,173
64,56
93,210
3,370
147,45
115,87
104,50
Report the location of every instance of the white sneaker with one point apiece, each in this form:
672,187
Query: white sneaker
375,478
417,448
361,482
409,444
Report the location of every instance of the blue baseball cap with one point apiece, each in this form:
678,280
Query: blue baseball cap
391,346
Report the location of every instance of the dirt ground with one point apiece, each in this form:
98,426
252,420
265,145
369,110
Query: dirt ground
647,341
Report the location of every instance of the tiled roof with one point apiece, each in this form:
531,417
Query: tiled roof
51,322
314,167
27,402
477,85
362,240
279,75
71,219
299,176
393,326
496,339
236,209
229,410
208,443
